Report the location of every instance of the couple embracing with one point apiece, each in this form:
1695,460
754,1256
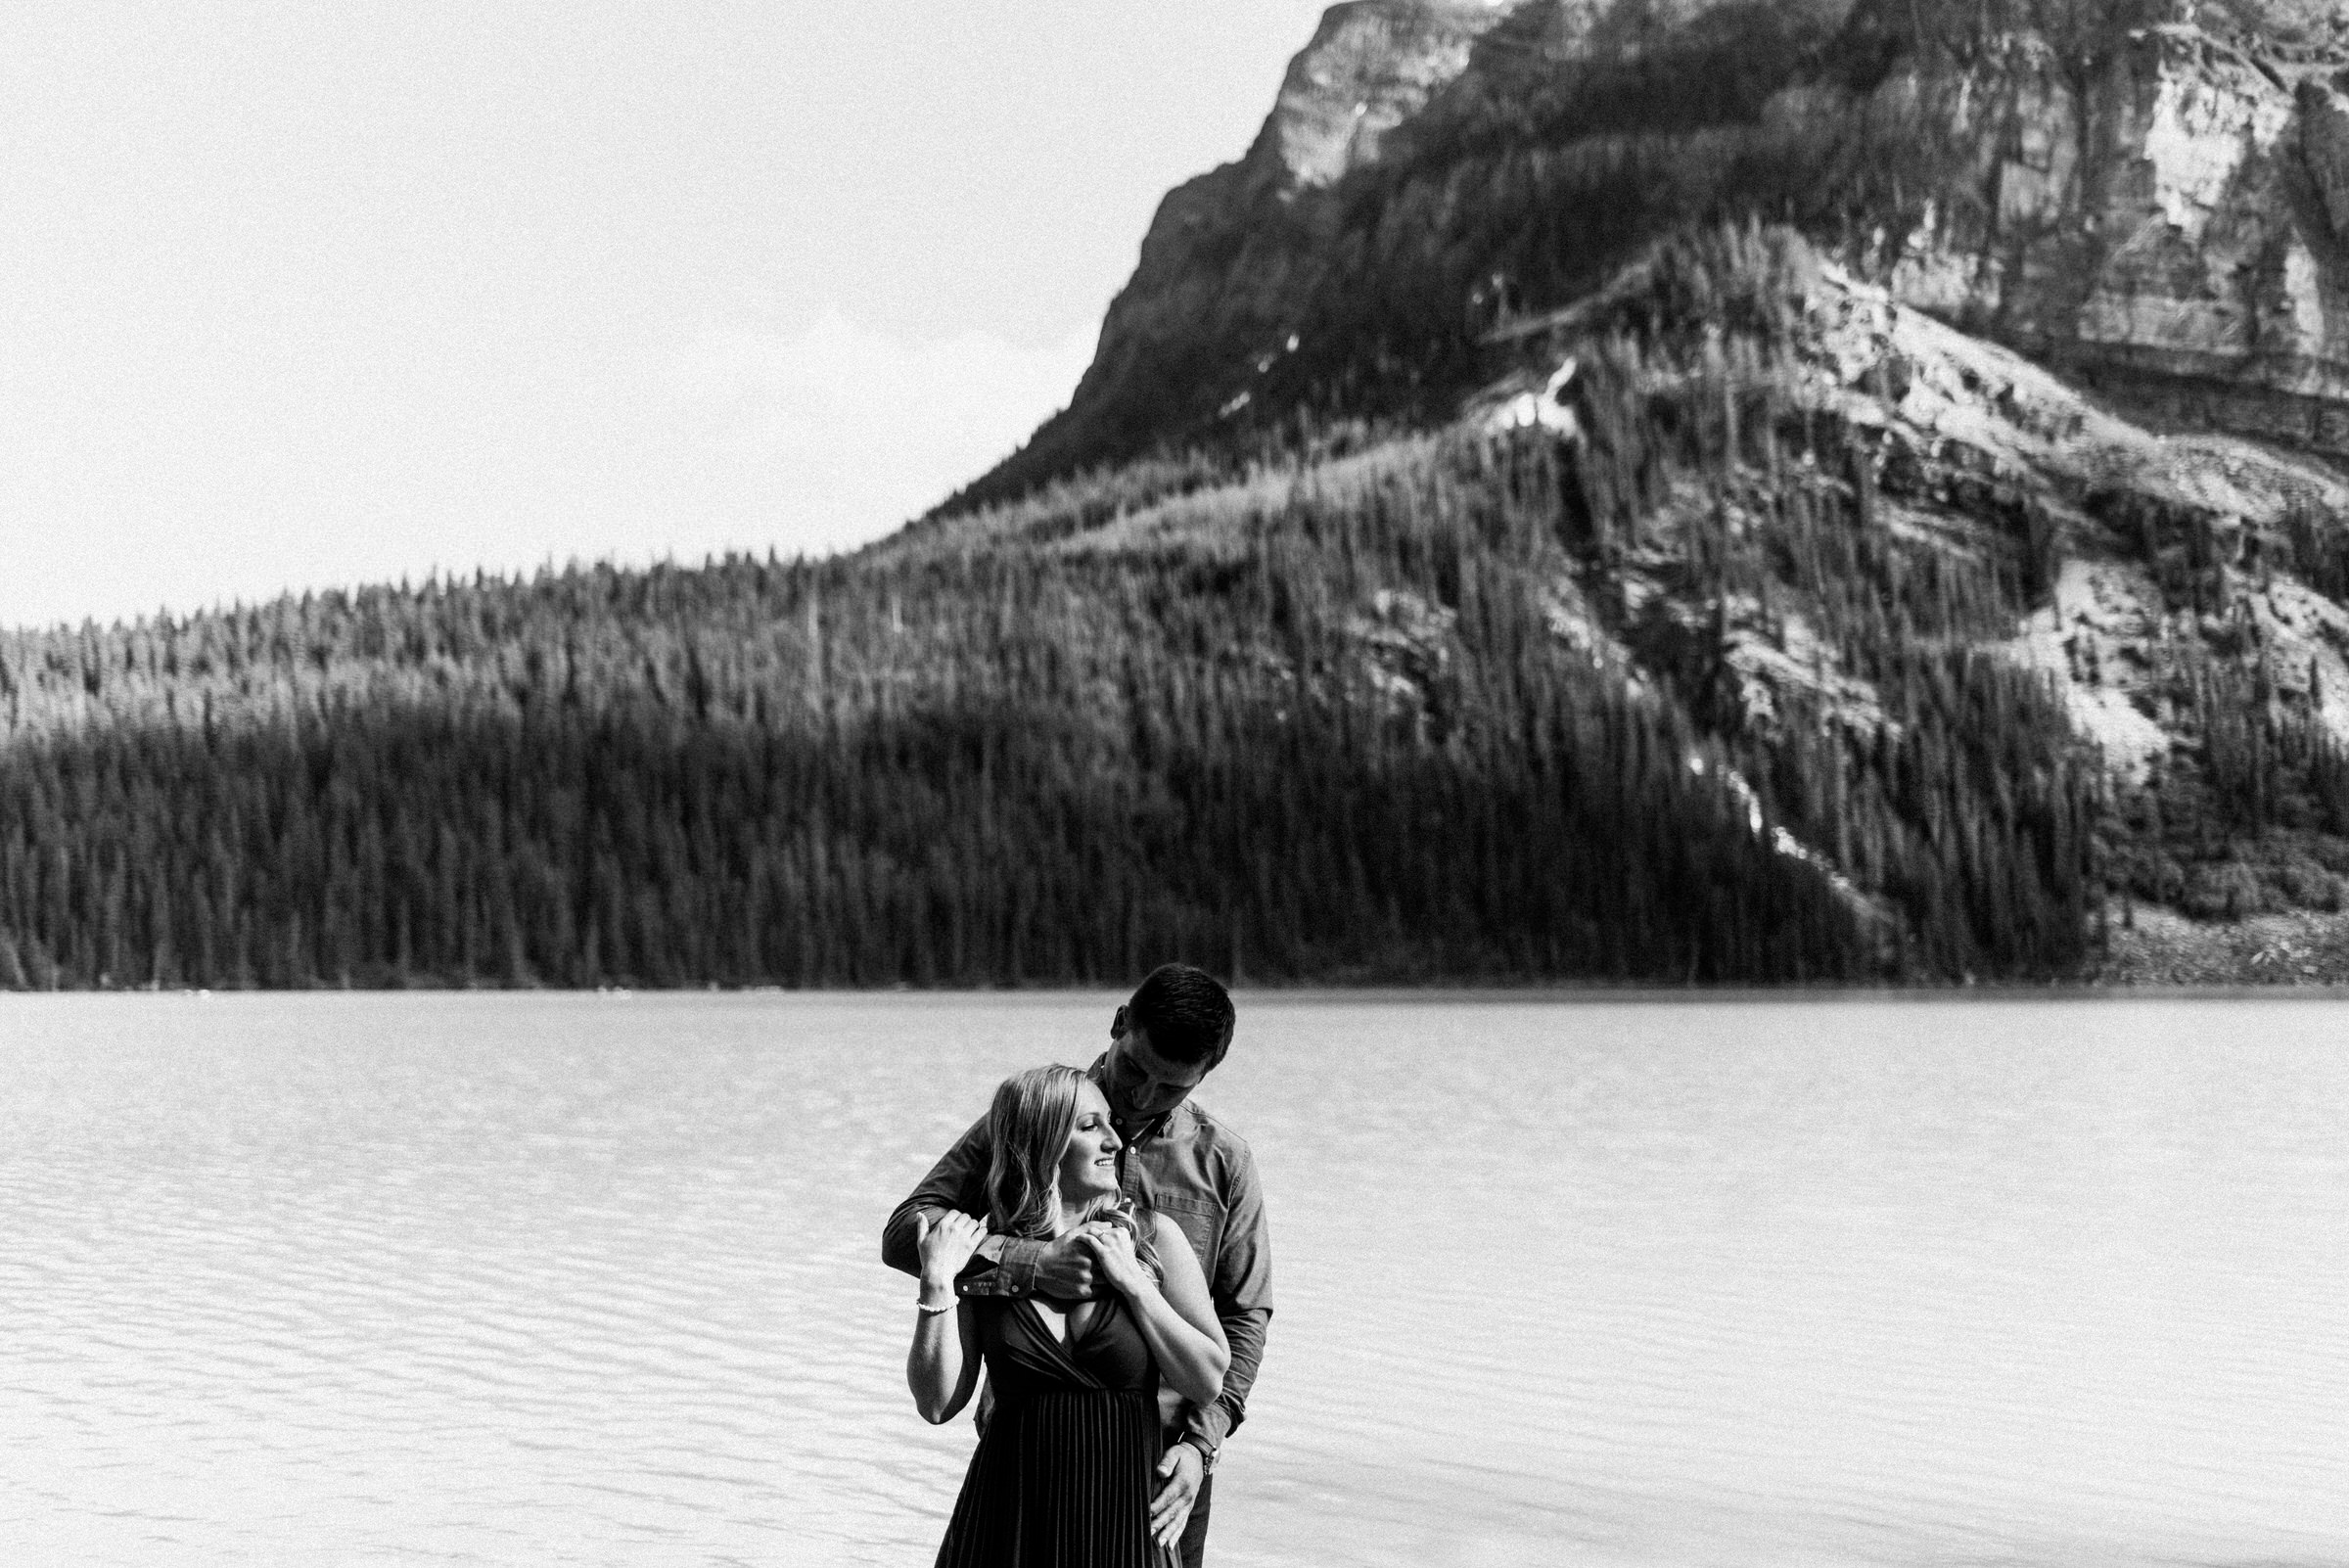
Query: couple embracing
1097,1244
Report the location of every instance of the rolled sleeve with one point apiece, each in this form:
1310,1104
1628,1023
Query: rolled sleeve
1013,1275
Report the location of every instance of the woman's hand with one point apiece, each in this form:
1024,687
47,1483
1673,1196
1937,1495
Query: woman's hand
1112,1247
947,1244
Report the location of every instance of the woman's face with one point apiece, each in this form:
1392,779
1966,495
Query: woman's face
1088,1165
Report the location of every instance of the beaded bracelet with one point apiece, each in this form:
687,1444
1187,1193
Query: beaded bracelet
932,1312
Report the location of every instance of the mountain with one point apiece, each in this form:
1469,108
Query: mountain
2151,194
1621,491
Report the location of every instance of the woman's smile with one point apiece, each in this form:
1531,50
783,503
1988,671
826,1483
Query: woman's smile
1088,1165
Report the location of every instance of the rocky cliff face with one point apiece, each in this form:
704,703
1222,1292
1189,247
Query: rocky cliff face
2152,195
2157,217
1372,66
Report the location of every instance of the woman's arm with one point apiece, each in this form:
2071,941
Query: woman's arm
1178,1319
943,1368
944,1365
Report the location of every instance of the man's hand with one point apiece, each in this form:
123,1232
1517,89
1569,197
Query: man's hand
1172,1510
1114,1257
1066,1271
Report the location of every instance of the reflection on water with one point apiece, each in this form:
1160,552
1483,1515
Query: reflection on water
512,1280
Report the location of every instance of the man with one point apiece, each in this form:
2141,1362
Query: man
1163,1044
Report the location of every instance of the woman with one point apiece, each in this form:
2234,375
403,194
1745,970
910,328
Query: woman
1065,1472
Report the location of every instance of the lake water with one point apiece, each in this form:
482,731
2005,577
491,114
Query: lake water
594,1279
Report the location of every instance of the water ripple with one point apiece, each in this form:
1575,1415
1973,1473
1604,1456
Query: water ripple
566,1281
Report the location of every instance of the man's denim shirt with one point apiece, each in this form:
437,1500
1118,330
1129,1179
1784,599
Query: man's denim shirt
1201,1176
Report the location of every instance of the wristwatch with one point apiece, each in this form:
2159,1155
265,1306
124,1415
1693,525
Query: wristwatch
1207,1453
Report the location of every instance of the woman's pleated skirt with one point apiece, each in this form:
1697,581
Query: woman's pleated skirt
1062,1479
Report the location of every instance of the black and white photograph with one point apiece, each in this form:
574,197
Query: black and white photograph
744,744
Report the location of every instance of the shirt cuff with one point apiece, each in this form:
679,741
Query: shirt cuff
1211,1426
1013,1275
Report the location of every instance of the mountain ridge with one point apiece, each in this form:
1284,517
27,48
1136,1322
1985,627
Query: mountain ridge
2136,189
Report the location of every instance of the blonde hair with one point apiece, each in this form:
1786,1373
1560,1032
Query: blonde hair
1029,1126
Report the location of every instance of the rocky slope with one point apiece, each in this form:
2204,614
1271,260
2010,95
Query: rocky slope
2180,596
2154,193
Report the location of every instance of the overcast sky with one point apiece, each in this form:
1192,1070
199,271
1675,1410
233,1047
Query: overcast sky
327,292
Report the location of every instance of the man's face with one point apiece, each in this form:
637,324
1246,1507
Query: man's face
1141,1082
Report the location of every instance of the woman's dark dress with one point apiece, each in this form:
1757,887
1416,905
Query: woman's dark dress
1065,1474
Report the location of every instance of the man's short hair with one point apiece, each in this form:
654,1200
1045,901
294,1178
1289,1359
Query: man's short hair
1186,1013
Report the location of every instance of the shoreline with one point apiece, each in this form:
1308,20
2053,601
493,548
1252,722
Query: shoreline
1446,994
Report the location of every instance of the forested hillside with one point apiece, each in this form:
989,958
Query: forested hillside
1337,717
1508,559
1747,628
1320,732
